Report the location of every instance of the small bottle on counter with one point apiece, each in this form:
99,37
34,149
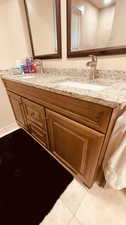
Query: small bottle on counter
18,63
22,68
33,66
29,64
26,66
25,69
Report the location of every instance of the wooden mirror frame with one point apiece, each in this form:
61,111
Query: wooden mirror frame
58,25
84,53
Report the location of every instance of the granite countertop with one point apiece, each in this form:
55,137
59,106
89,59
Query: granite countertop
105,89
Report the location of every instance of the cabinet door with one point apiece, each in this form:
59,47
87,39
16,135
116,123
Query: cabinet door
74,144
17,106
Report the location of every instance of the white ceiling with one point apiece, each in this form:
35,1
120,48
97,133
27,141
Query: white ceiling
100,3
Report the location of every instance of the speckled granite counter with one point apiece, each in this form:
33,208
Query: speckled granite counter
106,90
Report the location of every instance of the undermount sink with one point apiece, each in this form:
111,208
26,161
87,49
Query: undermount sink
86,86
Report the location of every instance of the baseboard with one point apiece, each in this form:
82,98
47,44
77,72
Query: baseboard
8,129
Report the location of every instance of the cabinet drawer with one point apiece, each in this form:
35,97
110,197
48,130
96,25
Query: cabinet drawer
38,133
35,113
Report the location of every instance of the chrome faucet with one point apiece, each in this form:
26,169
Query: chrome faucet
93,66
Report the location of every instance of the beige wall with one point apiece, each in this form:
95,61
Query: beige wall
119,35
6,114
89,23
105,26
12,40
11,48
14,45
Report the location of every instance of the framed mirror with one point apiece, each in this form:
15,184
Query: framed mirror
44,26
96,27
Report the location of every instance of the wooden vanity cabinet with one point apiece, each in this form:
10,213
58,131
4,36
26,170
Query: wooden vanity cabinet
73,131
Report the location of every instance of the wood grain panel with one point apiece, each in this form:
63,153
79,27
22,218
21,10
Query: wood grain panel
79,131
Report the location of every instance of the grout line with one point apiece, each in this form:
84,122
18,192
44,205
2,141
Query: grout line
74,217
74,214
70,220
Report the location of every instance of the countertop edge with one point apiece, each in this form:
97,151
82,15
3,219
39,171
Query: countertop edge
91,99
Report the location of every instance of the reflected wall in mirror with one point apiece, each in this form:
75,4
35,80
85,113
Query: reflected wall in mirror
96,27
44,25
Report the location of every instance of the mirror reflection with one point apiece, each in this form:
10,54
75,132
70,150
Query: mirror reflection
97,24
42,19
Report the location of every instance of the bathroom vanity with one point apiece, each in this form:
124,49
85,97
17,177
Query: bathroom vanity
75,129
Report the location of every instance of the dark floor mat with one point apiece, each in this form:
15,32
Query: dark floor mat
30,180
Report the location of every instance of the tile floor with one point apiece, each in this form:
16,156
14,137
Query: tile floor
80,206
